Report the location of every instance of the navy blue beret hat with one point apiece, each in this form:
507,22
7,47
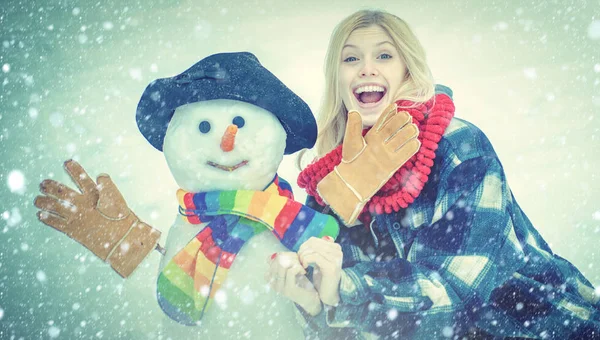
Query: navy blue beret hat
236,76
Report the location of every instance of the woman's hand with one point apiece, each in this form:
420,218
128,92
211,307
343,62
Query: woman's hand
368,162
326,256
287,277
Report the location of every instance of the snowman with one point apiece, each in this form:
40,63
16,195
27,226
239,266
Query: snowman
224,126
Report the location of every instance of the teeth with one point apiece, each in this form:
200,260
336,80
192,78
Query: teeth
370,88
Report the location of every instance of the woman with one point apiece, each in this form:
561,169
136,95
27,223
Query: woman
441,249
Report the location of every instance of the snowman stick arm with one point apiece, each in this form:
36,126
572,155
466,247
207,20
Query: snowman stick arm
160,249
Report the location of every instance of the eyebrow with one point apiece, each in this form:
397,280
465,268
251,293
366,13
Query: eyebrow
378,44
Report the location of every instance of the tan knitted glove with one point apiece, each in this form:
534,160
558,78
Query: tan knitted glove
98,218
369,162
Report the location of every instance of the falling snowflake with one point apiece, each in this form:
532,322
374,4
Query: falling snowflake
16,182
594,30
204,290
530,73
40,276
13,217
53,332
221,297
448,331
501,26
247,296
135,73
82,38
56,119
33,112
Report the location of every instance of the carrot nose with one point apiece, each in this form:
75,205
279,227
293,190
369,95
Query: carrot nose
228,140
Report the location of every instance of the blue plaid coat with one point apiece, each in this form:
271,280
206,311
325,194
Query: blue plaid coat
462,261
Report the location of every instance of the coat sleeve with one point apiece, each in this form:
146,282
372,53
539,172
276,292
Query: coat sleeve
450,269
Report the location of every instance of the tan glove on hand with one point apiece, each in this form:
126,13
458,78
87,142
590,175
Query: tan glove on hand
98,218
369,162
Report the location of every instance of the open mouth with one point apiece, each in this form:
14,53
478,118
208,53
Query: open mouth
226,167
369,95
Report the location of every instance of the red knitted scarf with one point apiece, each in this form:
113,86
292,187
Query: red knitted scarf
432,119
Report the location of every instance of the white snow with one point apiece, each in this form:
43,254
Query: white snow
40,276
53,332
135,73
82,38
56,119
221,297
16,182
594,30
71,148
448,331
392,314
500,26
13,217
33,112
530,73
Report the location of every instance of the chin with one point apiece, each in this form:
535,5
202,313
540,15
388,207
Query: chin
370,117
367,123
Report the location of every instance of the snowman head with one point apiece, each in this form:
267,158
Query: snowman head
236,76
223,144
225,123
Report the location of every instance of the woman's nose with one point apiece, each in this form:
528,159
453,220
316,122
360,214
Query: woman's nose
368,69
228,140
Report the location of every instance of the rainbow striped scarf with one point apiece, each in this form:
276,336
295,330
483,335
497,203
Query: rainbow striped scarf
188,283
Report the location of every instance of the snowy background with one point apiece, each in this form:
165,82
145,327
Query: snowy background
72,72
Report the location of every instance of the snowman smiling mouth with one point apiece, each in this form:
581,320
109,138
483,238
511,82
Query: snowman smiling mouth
227,167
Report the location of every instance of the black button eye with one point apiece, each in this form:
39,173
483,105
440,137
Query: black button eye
204,127
239,122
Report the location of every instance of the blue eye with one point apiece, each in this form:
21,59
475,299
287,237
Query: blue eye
385,56
204,127
350,59
239,122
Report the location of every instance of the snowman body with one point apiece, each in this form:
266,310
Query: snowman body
230,145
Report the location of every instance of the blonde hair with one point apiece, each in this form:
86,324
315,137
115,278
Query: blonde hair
418,86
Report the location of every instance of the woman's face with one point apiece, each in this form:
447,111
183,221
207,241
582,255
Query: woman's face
370,73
